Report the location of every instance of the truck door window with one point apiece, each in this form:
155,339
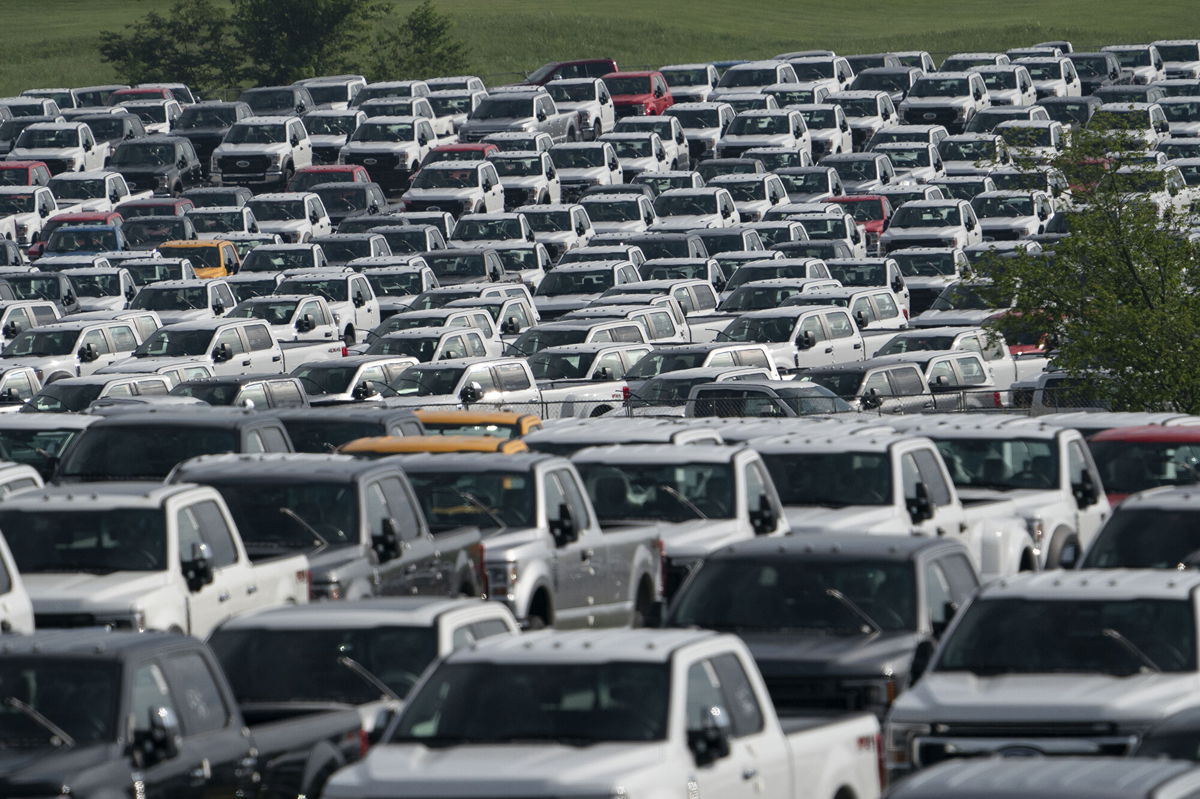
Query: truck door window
745,714
840,325
254,442
960,576
937,594
285,392
887,306
376,508
255,393
942,369
232,340
123,338
512,377
401,507
156,386
612,362
628,334
703,694
575,500
215,532
705,298
555,498
462,637
1077,463
972,371
188,532
148,693
910,476
474,344
97,340
201,707
274,440
123,390
879,383
907,382
489,627
863,305
258,336
19,383
931,474
483,376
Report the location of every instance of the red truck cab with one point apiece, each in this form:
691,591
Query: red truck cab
112,218
1133,459
871,213
309,176
477,151
638,93
579,68
24,173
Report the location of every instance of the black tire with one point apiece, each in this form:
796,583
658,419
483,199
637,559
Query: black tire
641,605
289,171
597,130
1063,542
348,337
541,614
572,134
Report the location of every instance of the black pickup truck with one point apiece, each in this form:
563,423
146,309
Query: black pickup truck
94,714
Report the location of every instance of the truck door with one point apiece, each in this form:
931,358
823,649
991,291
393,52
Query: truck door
845,343
1089,515
262,351
366,307
575,559
171,778
947,518
411,570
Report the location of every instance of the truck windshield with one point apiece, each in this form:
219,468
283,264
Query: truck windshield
200,257
255,134
1133,58
190,298
572,92
1147,538
940,87
277,210
967,149
1001,463
1132,466
261,663
574,703
1043,70
331,125
1090,66
450,105
196,117
903,343
455,264
694,76
488,500
504,108
446,179
258,507
325,379
628,85
789,594
584,157
910,158
658,491
964,297
275,312
832,479
48,138
760,329
533,339
470,228
41,343
575,281
394,284
1028,636
34,448
146,452
153,230
16,203
264,259
427,382
657,363
685,204
333,289
748,77
420,347
757,298
94,541
607,209
137,154
174,344
71,239
58,398
696,118
859,274
1002,206
210,221
80,696
561,366
517,166
806,182
383,132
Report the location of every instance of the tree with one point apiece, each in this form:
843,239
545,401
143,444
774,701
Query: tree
424,45
191,44
1120,294
283,42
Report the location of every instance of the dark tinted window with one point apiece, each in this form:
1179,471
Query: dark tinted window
197,696
215,532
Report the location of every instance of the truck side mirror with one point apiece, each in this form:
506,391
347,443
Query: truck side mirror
897,284
871,399
160,742
920,662
11,329
9,396
764,519
919,506
603,373
387,543
314,217
470,394
860,319
364,390
358,300
305,323
221,353
510,326
563,528
1085,491
541,116
87,353
806,340
710,741
218,307
130,292
197,571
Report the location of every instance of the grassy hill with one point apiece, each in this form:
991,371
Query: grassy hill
56,45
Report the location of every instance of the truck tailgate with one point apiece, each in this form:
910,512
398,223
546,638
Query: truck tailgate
296,353
832,754
280,580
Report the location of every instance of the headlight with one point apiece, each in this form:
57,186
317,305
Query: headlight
502,577
1037,530
134,620
331,589
213,164
900,737
877,690
163,181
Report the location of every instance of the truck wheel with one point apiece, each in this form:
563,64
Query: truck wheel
572,134
540,615
288,172
1063,545
348,337
641,605
597,130
1028,562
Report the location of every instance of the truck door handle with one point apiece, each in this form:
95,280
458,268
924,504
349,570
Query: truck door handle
246,362
858,346
829,349
252,589
749,773
941,531
278,358
223,597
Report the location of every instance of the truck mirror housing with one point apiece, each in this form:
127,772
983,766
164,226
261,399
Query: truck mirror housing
305,323
198,570
221,353
1085,491
510,326
920,662
603,373
806,340
10,330
710,741
563,528
764,519
87,353
471,393
387,543
358,300
363,390
160,742
919,506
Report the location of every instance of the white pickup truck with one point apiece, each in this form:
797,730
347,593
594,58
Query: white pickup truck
887,484
1006,367
642,713
583,379
141,557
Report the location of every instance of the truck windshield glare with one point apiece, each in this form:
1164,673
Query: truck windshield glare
95,541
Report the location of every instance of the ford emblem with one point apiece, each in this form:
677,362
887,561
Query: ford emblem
1020,751
434,208
369,161
243,163
931,116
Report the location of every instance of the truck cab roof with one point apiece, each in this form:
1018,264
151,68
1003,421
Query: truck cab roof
415,611
582,646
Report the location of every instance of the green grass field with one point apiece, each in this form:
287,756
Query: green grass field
56,45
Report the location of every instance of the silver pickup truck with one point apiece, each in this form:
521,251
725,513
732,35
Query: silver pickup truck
583,379
546,555
531,112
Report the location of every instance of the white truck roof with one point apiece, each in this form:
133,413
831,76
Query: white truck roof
582,646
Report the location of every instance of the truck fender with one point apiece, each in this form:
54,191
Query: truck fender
463,574
645,565
323,760
540,582
1004,549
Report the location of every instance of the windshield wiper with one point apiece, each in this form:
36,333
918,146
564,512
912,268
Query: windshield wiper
687,503
363,672
478,503
853,607
322,541
1131,648
62,737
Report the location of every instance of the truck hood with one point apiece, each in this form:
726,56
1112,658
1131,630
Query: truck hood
466,193
1004,96
1054,87
145,169
328,140
965,697
499,125
949,232
789,652
43,772
114,303
577,174
559,304
933,103
1025,502
171,317
628,226
852,518
537,770
285,226
966,167
144,365
46,364
688,222
44,154
772,140
391,148
71,592
524,182
253,148
1024,223
952,318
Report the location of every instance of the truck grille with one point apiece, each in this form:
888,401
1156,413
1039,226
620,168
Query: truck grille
60,620
453,207
374,161
931,116
973,740
140,182
898,244
1003,234
244,164
732,150
58,165
795,695
325,155
515,198
629,110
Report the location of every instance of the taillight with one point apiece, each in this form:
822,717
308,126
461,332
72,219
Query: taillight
996,399
345,351
626,393
364,742
881,761
304,577
480,570
662,569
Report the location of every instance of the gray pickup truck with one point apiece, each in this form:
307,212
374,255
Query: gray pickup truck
357,520
530,112
547,557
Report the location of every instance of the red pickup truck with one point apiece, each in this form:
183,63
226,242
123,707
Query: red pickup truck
309,176
871,213
475,151
24,173
638,93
